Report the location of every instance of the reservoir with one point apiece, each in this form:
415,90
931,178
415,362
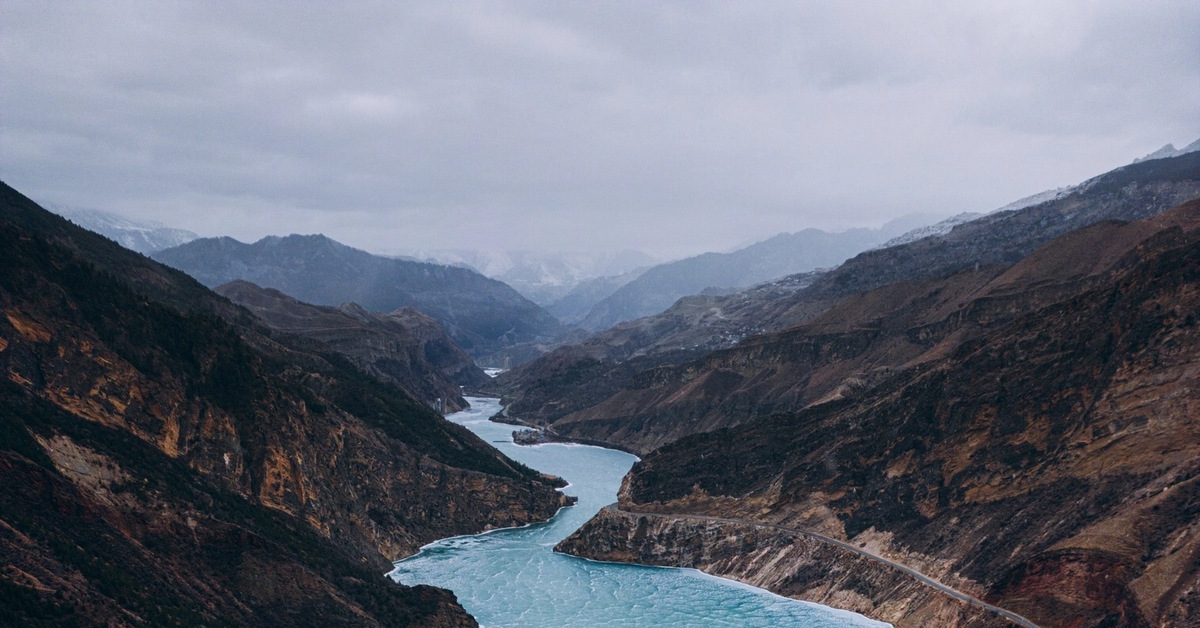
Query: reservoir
513,578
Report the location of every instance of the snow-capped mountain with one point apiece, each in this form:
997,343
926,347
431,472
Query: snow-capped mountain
939,228
144,237
1170,151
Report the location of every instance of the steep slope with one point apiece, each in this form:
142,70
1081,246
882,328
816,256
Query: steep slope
482,315
785,254
161,422
604,389
1049,465
405,346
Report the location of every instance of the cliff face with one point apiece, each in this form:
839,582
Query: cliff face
405,346
160,422
1050,463
712,362
787,563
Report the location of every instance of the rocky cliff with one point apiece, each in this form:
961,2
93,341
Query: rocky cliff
789,563
711,362
168,460
1050,463
404,346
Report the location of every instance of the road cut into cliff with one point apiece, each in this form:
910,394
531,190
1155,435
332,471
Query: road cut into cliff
793,563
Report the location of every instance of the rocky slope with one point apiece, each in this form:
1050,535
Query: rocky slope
405,347
481,315
706,362
1049,464
166,459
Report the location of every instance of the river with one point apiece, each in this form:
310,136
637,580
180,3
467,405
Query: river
513,578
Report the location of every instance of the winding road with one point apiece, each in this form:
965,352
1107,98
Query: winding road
924,579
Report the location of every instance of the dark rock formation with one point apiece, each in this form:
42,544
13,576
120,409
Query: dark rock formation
405,346
1049,461
482,315
711,362
165,459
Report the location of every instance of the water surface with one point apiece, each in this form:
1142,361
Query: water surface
512,578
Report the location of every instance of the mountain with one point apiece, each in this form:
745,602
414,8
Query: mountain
166,459
574,306
785,254
1039,452
1170,151
711,362
143,237
942,227
481,315
542,277
405,346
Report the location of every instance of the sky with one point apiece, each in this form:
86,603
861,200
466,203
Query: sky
668,127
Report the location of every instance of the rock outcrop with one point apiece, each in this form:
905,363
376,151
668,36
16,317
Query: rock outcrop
1049,462
789,563
165,459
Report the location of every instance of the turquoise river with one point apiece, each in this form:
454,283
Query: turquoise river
513,578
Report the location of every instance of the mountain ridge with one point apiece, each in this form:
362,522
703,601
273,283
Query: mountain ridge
482,315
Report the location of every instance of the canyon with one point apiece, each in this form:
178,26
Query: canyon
1043,460
168,459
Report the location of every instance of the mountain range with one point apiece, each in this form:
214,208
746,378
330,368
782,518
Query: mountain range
711,362
1026,436
167,459
657,288
481,315
541,277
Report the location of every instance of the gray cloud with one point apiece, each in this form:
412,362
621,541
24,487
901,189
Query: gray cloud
673,127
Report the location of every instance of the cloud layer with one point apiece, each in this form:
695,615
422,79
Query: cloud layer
673,127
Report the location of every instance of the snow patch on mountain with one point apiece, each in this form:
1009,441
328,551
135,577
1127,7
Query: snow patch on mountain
145,237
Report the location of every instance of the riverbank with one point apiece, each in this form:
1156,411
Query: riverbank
792,563
514,578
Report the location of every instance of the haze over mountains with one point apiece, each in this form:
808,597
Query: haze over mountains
638,385
482,315
143,237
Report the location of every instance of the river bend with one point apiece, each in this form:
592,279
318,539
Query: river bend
513,578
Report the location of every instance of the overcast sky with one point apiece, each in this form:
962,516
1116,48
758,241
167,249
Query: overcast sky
670,127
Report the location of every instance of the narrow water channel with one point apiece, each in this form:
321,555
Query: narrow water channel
513,578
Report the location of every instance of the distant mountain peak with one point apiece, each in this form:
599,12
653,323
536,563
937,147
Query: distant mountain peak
1170,151
145,237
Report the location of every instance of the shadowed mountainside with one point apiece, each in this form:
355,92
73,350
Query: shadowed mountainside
166,459
405,346
1048,463
482,315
